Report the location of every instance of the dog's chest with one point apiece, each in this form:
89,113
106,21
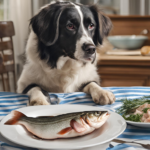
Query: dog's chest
69,78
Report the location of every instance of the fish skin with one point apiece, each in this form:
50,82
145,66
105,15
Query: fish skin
55,119
50,127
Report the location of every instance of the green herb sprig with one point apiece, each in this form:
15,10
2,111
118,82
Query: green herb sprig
130,105
132,117
145,110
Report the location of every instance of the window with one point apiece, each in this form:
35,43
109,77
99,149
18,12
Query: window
119,7
4,9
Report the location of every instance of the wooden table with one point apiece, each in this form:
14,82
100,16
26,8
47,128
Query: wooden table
124,70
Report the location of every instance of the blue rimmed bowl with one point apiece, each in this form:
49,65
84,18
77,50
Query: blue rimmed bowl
127,41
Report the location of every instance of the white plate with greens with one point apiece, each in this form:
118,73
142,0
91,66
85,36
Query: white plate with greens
128,108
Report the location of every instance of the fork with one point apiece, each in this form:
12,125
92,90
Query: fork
121,141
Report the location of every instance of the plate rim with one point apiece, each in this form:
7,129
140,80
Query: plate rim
139,124
77,147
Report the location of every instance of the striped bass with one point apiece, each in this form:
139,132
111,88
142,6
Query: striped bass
61,126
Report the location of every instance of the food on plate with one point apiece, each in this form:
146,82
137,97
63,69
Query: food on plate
61,126
137,110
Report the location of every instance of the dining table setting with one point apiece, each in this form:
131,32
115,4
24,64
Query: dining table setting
116,134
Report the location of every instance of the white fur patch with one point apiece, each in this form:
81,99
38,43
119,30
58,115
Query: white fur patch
79,54
61,61
81,16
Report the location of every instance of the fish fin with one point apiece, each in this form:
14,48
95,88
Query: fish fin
64,131
77,126
15,117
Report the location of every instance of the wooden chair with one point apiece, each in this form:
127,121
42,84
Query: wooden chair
7,62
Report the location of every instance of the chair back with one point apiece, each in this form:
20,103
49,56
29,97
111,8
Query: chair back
7,62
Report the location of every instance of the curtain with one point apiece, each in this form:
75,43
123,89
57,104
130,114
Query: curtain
20,14
135,7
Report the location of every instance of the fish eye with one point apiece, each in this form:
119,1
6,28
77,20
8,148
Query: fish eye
91,115
97,114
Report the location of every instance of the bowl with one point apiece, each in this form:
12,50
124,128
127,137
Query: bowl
127,41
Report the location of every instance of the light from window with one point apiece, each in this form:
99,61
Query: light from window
4,11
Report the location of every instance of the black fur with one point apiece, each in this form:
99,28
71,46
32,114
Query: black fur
29,87
103,22
85,84
44,24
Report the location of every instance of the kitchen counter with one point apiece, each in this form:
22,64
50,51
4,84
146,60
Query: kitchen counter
118,70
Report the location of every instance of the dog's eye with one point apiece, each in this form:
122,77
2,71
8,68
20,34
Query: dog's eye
70,26
91,26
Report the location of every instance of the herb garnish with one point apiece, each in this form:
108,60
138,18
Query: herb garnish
145,110
132,117
130,105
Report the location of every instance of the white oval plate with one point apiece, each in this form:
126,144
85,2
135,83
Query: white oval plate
114,126
139,124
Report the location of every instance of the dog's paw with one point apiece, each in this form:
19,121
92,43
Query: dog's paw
103,97
38,99
36,102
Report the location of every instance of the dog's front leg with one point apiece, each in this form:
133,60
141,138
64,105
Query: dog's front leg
99,95
37,96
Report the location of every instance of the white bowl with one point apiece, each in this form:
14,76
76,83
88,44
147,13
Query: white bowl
127,41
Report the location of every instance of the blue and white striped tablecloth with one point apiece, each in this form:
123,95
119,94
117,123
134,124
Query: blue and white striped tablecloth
11,101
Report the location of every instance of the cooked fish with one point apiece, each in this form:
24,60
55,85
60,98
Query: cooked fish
145,115
61,126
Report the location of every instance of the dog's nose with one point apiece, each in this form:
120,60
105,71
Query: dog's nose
89,48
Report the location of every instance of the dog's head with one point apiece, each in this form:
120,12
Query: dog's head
69,29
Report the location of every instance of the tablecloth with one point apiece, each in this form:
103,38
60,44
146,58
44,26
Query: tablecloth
11,101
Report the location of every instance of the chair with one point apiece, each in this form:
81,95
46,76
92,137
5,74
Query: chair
7,62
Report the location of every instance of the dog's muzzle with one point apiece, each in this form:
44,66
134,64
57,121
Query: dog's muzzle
89,50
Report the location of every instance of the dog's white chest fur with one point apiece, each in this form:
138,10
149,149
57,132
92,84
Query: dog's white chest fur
67,77
73,73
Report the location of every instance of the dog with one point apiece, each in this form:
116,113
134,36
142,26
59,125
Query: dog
61,53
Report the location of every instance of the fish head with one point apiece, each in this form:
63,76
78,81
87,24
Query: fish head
97,118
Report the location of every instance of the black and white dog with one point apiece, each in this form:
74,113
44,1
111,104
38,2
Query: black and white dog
61,52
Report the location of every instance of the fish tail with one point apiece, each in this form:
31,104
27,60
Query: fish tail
16,115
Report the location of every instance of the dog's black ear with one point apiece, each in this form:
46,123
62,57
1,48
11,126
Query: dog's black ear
104,24
46,24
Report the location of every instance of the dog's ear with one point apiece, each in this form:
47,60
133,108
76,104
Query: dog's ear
46,24
104,24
